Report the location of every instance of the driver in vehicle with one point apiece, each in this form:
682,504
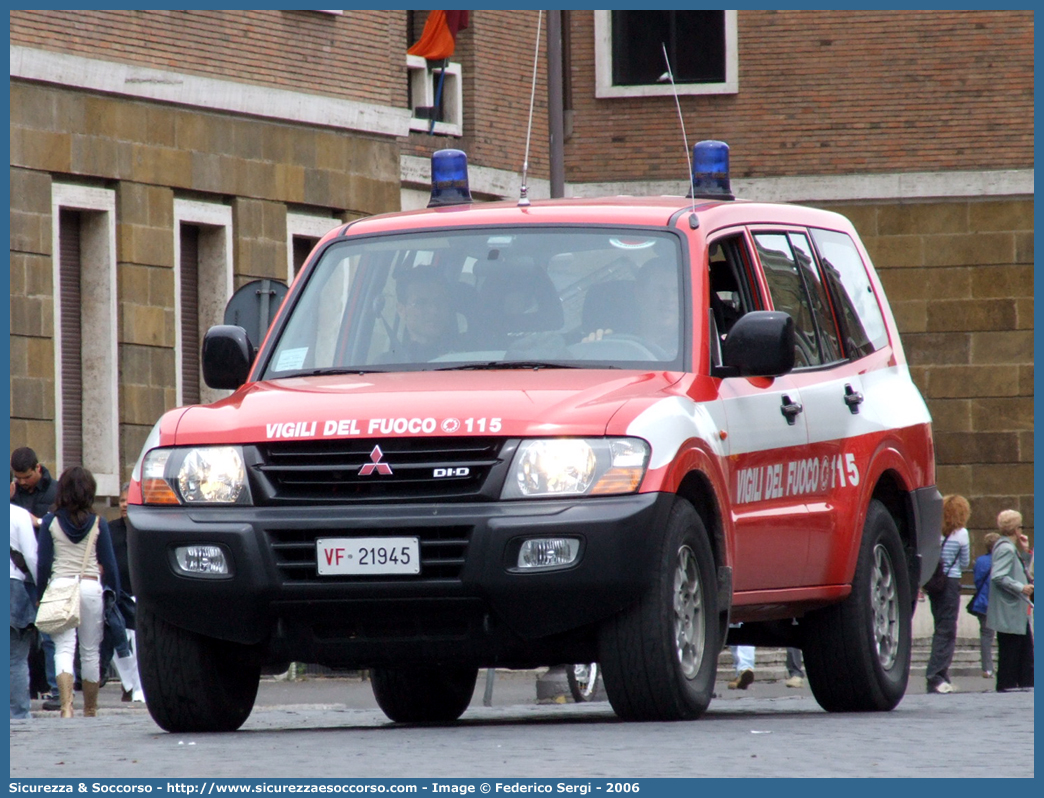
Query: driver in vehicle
429,322
658,309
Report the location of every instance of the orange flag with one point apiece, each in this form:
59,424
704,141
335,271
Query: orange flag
439,37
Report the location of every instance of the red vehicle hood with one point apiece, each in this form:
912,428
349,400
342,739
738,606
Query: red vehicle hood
513,403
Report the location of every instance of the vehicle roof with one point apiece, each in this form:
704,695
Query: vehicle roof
620,210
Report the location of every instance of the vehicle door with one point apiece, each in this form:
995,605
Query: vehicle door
826,475
765,430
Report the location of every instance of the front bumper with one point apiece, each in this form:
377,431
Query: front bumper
299,615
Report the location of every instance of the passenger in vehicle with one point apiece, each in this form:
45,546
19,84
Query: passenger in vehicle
429,322
659,312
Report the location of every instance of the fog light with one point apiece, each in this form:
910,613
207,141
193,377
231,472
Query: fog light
209,560
548,552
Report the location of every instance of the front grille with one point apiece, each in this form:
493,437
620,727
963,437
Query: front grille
404,469
442,551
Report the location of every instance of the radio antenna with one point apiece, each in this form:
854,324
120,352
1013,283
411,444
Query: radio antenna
669,75
523,199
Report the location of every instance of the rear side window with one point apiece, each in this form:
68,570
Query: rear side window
861,321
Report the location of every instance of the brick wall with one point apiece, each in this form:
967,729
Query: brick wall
348,56
959,278
828,92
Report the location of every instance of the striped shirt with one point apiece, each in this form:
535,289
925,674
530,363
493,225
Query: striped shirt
956,552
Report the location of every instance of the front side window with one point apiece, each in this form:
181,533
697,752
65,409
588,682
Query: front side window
786,284
629,52
495,298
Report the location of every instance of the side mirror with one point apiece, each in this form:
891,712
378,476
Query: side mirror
760,344
227,355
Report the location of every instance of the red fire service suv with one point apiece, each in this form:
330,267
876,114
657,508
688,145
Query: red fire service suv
527,434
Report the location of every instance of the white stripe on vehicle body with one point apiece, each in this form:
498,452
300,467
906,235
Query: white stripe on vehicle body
754,423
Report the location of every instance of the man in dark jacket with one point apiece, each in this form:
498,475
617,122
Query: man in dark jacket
32,486
33,489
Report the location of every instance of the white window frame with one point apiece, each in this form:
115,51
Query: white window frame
215,278
605,89
304,224
100,366
423,83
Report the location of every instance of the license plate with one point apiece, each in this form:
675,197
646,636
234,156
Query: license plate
362,556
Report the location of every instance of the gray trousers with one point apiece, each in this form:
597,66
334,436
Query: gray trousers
986,635
945,606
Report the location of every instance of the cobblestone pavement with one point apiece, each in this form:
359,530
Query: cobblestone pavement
329,727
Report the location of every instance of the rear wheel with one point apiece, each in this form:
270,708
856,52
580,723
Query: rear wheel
583,681
857,653
659,656
424,694
195,683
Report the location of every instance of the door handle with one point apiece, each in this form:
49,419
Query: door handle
790,410
853,399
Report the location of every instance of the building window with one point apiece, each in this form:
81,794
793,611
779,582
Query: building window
86,389
701,45
303,232
202,286
427,100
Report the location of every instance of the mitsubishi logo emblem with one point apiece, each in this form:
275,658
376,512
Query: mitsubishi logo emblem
381,468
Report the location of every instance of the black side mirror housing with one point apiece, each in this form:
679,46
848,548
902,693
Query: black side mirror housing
227,356
760,344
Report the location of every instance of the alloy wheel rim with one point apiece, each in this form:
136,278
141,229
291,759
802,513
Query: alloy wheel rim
689,624
586,676
884,600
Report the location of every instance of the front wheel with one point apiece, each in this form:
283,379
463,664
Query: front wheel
424,694
857,653
195,683
659,656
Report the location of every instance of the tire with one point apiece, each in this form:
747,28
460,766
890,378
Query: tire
426,694
659,657
857,653
195,683
583,681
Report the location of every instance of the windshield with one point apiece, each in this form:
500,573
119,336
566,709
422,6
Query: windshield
499,298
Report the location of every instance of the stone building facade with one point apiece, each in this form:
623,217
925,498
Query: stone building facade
255,131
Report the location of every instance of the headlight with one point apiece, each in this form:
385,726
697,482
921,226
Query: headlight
558,467
200,475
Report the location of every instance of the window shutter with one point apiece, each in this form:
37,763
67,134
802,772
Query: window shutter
71,337
190,340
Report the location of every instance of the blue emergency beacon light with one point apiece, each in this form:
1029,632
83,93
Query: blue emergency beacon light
710,171
449,179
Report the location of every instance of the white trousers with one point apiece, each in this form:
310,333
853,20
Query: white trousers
743,657
88,635
127,667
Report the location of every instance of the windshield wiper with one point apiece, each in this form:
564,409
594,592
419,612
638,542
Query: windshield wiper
331,371
495,365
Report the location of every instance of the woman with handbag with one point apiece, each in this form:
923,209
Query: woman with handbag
75,550
946,602
1011,600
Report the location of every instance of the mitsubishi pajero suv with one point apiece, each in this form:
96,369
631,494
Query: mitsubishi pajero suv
526,434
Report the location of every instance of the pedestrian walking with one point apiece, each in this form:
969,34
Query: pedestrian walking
126,665
23,607
69,538
1011,601
980,601
946,602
